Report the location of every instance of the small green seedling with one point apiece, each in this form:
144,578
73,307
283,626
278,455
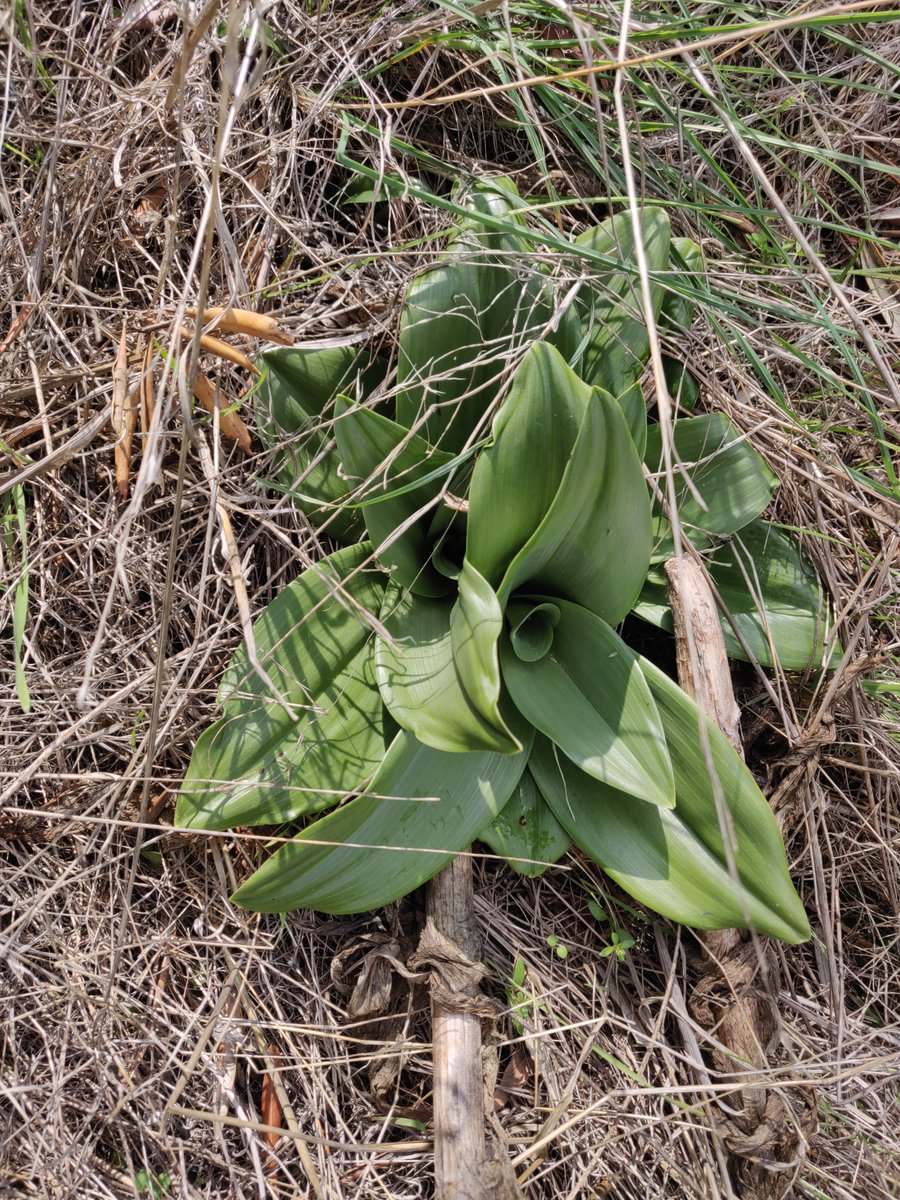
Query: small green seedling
558,948
522,1002
621,942
156,1187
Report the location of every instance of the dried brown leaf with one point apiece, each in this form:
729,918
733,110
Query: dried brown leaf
230,423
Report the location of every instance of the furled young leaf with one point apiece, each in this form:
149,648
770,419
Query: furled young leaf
588,695
258,766
476,623
386,459
526,832
293,404
673,860
732,480
559,502
420,681
516,479
463,319
771,592
593,546
611,309
421,809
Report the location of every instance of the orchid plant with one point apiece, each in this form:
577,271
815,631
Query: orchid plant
455,670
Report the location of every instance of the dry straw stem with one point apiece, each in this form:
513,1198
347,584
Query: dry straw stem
730,999
106,991
123,415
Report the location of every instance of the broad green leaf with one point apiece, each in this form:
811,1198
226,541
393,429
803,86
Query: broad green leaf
588,695
516,479
611,308
676,317
257,765
634,409
677,311
384,458
345,592
733,482
301,382
772,594
495,196
293,404
461,322
526,832
498,196
593,546
421,809
420,681
247,770
681,383
673,860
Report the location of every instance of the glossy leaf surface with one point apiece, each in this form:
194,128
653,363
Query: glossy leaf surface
526,833
258,766
611,309
771,592
476,623
302,381
587,694
374,850
675,320
593,545
673,860
420,682
293,403
733,482
461,321
516,479
383,459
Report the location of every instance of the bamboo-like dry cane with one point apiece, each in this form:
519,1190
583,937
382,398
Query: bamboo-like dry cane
763,1126
469,1164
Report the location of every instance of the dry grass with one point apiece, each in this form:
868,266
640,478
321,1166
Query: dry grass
140,1011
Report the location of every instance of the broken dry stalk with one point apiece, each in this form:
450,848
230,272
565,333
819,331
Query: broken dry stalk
466,1167
728,998
148,402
